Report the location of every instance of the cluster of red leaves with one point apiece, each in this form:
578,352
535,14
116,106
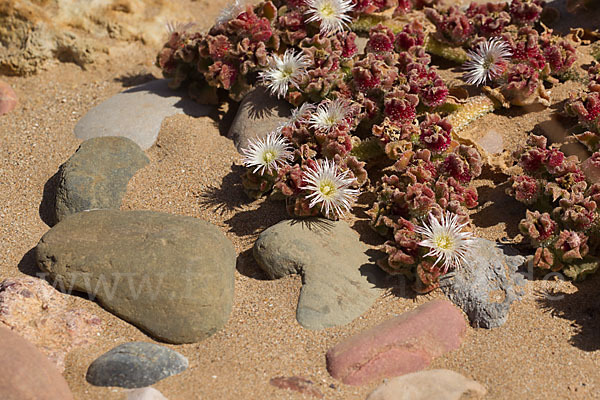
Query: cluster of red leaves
563,226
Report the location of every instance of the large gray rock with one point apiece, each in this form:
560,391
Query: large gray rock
171,276
438,384
339,279
96,176
137,113
488,284
259,113
135,365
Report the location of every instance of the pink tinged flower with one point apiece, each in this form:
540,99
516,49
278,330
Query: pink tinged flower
300,115
447,241
231,11
329,188
487,62
331,14
329,115
267,154
284,71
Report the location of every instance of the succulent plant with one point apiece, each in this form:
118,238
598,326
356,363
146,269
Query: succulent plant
381,120
563,226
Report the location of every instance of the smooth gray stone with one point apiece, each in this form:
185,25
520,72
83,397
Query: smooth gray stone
487,285
259,113
135,365
96,176
171,276
137,113
339,280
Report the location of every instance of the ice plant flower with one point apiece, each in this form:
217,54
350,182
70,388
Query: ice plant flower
231,11
329,115
446,240
487,62
284,71
172,26
329,188
332,14
299,115
268,153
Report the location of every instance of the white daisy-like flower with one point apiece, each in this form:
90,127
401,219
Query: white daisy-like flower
329,115
173,26
268,153
332,14
284,71
487,62
231,11
329,188
299,115
447,241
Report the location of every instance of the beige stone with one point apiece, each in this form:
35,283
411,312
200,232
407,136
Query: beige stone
438,384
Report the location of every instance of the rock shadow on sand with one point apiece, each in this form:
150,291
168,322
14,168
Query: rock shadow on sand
581,308
47,208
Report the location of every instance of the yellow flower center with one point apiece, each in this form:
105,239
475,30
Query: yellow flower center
327,11
269,156
488,62
327,188
443,242
288,71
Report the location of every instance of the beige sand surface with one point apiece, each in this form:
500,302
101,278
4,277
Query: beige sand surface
546,350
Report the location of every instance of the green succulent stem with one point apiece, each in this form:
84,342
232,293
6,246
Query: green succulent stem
367,149
455,54
364,23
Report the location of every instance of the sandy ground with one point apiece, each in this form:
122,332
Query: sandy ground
548,349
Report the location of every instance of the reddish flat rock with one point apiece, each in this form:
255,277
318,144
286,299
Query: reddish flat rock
298,384
8,98
398,346
26,374
42,315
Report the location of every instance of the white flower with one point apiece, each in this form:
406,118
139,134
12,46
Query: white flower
267,153
299,115
330,13
329,188
448,243
329,115
487,62
179,26
284,71
231,11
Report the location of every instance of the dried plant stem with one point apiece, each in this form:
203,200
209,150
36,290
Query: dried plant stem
475,108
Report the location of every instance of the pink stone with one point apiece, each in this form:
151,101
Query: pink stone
26,374
398,346
41,314
8,98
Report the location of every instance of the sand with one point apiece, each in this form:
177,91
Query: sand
549,348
